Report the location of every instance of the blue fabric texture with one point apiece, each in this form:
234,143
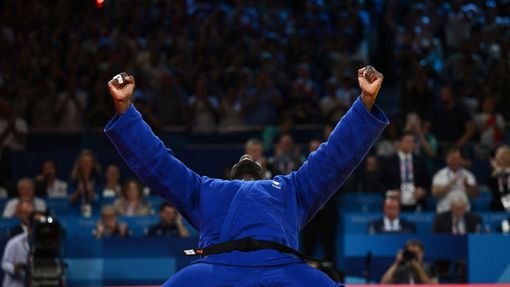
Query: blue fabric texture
223,210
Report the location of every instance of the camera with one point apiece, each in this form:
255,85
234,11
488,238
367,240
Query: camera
408,255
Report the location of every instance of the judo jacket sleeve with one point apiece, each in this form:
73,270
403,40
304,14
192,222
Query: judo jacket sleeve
327,168
154,164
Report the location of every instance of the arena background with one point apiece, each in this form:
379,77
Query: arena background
211,75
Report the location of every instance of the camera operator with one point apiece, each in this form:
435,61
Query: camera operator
15,257
409,267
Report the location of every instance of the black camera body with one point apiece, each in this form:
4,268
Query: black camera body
409,255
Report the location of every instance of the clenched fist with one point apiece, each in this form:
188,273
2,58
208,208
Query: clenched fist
121,88
370,81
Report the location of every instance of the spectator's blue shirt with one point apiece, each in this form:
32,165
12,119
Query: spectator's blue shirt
224,210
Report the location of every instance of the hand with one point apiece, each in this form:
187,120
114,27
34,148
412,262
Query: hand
122,95
370,81
415,264
400,257
18,268
179,220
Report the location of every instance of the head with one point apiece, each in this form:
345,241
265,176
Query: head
407,143
112,173
458,206
371,163
446,95
285,143
391,206
132,191
48,169
488,105
23,211
503,156
253,148
85,165
26,189
247,169
314,145
327,130
416,246
167,213
109,217
454,159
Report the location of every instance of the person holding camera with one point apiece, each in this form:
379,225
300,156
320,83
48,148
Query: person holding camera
409,267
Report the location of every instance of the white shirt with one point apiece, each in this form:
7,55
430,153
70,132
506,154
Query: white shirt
16,251
10,207
10,141
443,177
391,225
57,190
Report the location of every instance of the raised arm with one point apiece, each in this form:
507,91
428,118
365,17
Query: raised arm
328,168
148,157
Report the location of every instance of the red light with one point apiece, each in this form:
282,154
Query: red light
99,3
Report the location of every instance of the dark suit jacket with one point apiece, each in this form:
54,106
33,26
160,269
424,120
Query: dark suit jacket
443,222
377,226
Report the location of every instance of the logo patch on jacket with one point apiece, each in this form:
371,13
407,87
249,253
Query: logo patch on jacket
276,185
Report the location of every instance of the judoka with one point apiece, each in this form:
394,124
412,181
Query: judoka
246,224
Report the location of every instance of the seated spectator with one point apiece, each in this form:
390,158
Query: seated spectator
13,130
453,179
25,193
131,201
85,180
170,223
407,174
14,260
108,226
47,183
391,220
499,182
287,157
112,186
253,148
409,267
458,220
490,125
23,211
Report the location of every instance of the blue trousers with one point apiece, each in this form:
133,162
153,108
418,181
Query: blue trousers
214,275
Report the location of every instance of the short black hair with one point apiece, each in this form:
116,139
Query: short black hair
165,205
415,242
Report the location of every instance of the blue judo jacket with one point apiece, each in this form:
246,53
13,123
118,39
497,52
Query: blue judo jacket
224,210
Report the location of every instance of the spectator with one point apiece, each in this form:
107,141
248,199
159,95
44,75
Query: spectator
25,193
47,183
253,148
370,178
204,108
70,106
14,261
458,220
453,179
13,130
231,108
85,178
108,226
407,174
499,182
261,105
490,125
391,222
409,267
112,186
426,142
131,201
451,122
287,157
23,211
170,223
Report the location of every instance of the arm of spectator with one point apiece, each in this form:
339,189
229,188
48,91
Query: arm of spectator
441,185
470,131
428,147
471,187
387,278
183,231
422,274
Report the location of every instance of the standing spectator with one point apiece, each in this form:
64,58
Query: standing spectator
170,223
13,130
25,193
23,211
499,182
112,186
131,201
47,183
14,261
85,179
407,174
287,157
204,108
108,226
451,121
490,125
70,106
409,267
391,222
458,220
453,179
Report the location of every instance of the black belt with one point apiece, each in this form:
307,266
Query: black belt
246,244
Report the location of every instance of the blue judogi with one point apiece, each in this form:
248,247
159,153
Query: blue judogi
224,210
